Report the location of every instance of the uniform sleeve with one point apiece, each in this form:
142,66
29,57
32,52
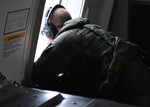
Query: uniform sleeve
54,60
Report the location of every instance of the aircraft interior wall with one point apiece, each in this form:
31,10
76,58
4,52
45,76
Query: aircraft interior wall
98,11
16,31
20,28
110,14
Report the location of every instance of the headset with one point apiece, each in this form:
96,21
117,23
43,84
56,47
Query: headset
50,29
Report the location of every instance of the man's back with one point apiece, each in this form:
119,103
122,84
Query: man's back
70,61
80,60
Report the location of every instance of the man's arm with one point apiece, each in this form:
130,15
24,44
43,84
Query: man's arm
55,59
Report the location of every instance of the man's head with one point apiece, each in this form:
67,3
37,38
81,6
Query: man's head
57,17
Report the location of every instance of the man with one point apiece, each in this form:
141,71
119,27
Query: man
86,60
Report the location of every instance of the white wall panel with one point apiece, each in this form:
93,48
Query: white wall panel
17,21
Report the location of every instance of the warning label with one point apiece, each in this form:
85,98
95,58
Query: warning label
12,44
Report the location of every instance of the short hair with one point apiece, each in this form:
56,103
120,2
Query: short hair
52,10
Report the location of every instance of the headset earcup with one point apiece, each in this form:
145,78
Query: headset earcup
53,29
50,30
47,31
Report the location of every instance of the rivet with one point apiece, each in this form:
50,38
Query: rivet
19,105
75,102
34,95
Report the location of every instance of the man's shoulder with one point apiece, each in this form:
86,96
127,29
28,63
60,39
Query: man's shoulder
77,21
73,24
